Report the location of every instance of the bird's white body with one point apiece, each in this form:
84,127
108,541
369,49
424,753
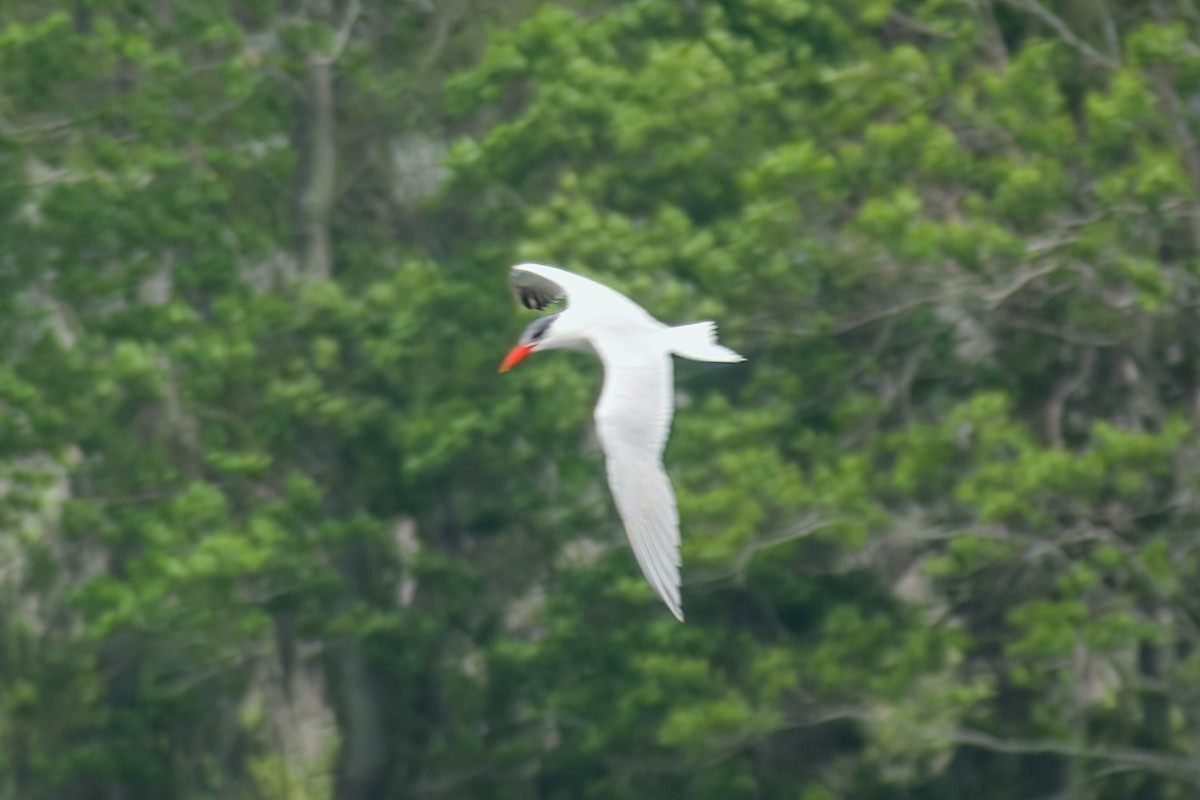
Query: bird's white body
633,414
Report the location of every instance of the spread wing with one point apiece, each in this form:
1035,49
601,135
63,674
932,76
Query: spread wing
536,286
633,420
533,288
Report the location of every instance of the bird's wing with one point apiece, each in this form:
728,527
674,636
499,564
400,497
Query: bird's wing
537,286
633,420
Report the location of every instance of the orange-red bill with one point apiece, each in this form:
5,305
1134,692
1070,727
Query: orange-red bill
515,356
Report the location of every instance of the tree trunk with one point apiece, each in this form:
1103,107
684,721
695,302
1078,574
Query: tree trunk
362,765
1155,732
317,199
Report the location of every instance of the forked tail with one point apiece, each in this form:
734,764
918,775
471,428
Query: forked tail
698,341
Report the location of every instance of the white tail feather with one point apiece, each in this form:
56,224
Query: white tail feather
698,342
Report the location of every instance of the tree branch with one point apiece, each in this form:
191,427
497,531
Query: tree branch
743,559
1053,413
316,202
1189,152
1064,32
891,311
353,9
1186,769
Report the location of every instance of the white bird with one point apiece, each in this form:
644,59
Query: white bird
633,414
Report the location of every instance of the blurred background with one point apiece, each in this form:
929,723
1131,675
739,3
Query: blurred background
272,527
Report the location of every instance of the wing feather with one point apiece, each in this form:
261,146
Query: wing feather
536,286
646,502
534,290
633,420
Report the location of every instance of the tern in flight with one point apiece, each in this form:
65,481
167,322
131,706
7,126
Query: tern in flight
633,415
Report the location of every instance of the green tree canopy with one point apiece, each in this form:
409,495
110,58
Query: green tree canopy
274,528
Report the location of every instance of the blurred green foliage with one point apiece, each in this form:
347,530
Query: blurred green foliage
274,528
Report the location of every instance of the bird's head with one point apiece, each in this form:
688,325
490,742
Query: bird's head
539,334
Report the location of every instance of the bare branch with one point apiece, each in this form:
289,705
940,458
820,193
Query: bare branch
915,25
1182,132
353,9
1062,237
27,132
1064,32
1187,769
317,198
998,296
1052,414
892,311
1110,29
804,529
1072,337
824,716
448,15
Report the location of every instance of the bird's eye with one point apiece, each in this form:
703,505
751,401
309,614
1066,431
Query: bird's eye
538,329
